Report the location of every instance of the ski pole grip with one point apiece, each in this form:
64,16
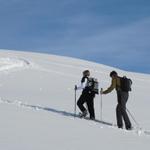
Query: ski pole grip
101,91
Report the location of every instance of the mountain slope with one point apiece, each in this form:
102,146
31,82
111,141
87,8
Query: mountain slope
37,103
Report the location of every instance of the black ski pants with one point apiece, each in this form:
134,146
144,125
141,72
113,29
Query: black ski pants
87,98
121,113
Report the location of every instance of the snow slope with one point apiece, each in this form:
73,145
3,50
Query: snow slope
37,104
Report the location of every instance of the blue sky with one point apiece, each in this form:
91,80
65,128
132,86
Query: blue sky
111,32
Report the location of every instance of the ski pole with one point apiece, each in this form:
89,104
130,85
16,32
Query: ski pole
101,113
133,117
75,101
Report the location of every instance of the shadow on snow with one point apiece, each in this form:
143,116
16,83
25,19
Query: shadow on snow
64,113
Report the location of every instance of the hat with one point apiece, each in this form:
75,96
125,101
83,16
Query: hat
113,73
85,72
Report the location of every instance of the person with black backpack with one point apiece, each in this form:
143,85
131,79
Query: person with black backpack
122,86
89,86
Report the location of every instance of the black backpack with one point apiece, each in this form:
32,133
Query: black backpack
93,85
125,84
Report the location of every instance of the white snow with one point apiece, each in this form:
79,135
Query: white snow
37,106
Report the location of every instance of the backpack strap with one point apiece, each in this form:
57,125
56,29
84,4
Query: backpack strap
83,79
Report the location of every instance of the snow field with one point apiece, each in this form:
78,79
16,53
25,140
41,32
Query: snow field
37,103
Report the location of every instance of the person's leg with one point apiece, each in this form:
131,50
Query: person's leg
90,105
119,116
80,104
124,98
81,101
118,111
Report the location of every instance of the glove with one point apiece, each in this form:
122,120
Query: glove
75,88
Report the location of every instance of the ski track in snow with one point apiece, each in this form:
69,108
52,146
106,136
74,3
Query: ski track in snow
138,131
7,64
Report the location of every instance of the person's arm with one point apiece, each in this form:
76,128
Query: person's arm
112,86
83,84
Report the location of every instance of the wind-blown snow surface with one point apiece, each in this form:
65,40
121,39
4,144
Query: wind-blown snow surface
37,104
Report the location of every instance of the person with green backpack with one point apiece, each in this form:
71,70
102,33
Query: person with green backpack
122,86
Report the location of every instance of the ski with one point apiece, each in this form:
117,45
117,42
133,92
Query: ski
136,130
